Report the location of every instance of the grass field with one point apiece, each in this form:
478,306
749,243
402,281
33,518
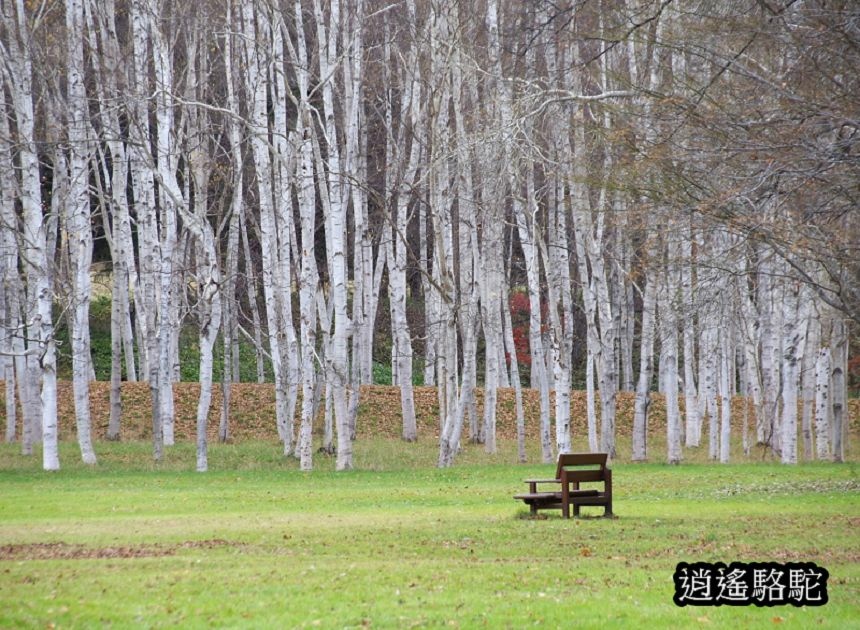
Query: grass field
255,543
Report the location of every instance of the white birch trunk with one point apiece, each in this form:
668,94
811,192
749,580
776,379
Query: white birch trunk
592,340
794,337
492,306
251,288
40,327
493,292
230,371
807,371
338,372
765,430
591,234
103,40
511,352
308,278
528,233
12,347
286,386
170,197
725,393
627,310
257,42
78,230
441,193
361,367
751,340
693,432
402,345
839,389
469,266
708,379
646,358
557,264
669,366
208,275
559,299
144,196
823,438
608,379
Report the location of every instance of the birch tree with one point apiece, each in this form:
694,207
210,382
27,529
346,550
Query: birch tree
39,295
794,331
669,357
397,252
646,353
12,344
169,199
77,220
208,274
822,404
256,42
143,182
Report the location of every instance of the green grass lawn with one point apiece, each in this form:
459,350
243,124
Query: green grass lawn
255,543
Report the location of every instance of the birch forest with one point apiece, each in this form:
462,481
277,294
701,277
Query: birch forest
605,195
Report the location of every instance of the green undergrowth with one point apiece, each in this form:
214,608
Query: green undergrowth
256,543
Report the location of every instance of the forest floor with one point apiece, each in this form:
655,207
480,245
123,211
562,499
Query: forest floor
252,416
255,543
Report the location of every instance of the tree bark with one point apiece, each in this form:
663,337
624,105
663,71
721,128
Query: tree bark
34,248
78,229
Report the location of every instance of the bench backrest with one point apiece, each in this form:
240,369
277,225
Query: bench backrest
596,463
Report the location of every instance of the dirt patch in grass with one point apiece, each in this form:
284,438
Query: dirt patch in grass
66,551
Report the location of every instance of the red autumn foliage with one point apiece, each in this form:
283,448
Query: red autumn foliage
520,311
520,314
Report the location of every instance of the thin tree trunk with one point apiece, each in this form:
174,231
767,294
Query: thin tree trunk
823,405
286,385
144,195
251,288
807,371
229,307
794,335
646,360
839,387
10,310
397,265
492,281
208,276
765,430
256,30
725,394
669,365
40,327
693,432
169,198
511,352
78,226
528,239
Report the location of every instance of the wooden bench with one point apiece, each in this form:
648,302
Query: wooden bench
572,470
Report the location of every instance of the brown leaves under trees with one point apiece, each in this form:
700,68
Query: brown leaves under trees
252,414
